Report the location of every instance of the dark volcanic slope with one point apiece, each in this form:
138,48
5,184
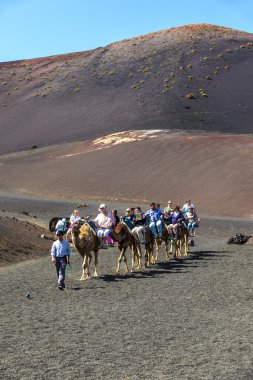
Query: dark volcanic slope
140,83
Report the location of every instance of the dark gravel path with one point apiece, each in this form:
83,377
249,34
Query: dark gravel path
187,319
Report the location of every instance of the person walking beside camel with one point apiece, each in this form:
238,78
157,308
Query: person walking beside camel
60,258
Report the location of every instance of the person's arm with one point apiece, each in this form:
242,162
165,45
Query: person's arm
53,253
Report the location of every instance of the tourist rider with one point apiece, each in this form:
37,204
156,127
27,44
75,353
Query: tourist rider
116,219
74,218
60,257
153,216
129,218
61,226
168,207
177,218
104,223
193,220
187,205
139,225
167,217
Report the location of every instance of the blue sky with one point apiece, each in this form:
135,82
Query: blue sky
38,28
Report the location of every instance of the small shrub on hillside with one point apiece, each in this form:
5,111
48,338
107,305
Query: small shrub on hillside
249,43
190,96
189,66
34,146
220,55
77,89
189,77
133,87
142,81
202,92
228,51
242,46
207,77
130,75
226,67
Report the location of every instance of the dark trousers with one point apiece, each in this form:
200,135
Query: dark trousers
60,265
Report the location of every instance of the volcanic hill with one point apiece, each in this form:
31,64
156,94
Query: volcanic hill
195,77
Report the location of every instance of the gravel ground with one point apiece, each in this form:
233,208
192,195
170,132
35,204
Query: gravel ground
184,319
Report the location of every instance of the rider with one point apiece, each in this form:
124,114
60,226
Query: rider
167,217
103,221
169,207
129,218
187,205
177,218
153,216
139,224
74,218
61,226
192,219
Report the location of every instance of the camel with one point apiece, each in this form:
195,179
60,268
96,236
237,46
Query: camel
86,241
164,238
144,233
124,237
182,239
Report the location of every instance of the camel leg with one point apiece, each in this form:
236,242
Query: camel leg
125,260
167,250
122,256
138,251
177,249
96,263
146,256
84,267
133,257
171,246
156,251
186,247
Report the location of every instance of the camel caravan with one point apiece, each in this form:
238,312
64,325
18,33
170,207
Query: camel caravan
170,228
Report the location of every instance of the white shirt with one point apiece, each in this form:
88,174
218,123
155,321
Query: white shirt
103,221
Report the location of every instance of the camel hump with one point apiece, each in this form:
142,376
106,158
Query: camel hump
85,230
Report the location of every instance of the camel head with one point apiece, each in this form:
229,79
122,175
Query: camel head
75,230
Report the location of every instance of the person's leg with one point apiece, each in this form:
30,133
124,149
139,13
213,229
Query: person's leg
159,227
68,234
153,229
175,230
190,228
193,228
100,236
107,238
57,267
62,269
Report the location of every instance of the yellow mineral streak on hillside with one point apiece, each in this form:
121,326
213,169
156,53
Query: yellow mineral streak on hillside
126,137
117,138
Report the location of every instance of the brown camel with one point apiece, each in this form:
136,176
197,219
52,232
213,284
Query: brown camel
85,241
164,238
182,239
124,237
